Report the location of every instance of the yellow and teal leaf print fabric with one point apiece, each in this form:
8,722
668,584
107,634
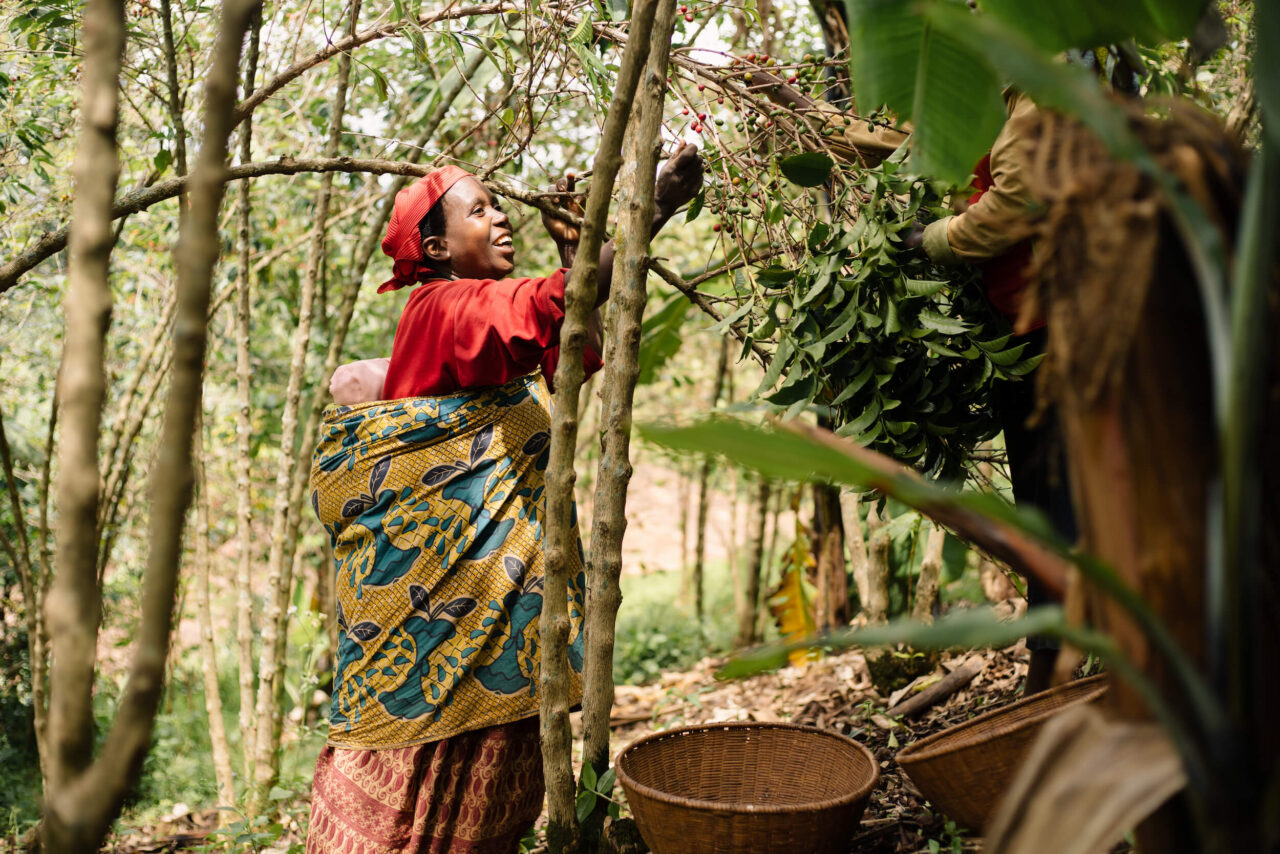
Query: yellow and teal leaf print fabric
434,506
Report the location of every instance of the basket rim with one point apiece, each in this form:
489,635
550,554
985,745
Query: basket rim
746,808
932,746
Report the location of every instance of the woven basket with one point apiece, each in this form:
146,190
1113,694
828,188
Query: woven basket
965,770
747,787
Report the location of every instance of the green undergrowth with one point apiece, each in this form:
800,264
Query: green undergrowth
657,631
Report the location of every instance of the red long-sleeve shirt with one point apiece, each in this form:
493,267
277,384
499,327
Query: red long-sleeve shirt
463,333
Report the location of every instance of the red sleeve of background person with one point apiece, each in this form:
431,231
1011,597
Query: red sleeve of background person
1004,276
477,332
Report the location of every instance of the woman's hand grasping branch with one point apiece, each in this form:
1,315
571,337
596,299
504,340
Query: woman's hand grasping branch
565,234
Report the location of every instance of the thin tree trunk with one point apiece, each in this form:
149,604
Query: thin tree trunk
704,479
877,604
128,410
280,564
683,485
40,644
80,808
779,502
580,293
622,369
73,607
733,539
113,497
208,652
748,610
852,523
175,93
244,431
930,572
833,579
30,583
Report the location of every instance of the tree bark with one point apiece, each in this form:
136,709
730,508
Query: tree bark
580,293
621,358
209,652
132,416
79,810
704,486
851,520
683,486
280,563
244,429
31,585
930,573
175,92
128,408
833,579
748,612
73,607
877,604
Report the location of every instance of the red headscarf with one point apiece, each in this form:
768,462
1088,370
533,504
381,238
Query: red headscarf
403,242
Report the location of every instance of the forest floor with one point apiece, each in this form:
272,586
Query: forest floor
834,693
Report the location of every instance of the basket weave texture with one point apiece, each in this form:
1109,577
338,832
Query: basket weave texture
747,787
965,770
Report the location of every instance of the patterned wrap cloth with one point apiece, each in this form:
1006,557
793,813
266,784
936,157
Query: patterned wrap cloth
434,506
474,793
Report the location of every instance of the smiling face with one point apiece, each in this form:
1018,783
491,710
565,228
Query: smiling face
477,235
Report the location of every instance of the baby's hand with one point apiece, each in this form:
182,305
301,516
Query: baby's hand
359,382
679,180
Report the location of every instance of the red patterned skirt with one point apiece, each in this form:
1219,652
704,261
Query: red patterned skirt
473,793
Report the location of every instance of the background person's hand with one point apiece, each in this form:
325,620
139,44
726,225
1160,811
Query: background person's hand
679,179
914,239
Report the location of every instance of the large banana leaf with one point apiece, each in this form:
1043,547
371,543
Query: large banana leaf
1059,24
898,59
949,87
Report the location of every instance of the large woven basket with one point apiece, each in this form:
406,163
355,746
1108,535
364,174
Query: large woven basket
965,770
747,787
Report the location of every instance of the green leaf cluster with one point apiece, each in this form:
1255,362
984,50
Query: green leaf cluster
592,788
901,353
